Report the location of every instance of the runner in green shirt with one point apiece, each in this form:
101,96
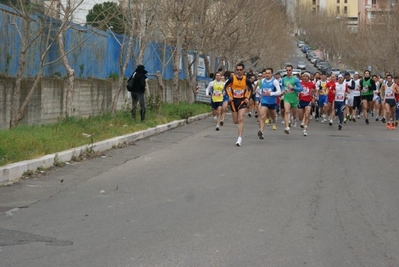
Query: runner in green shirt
291,87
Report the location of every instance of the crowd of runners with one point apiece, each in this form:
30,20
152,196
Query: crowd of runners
300,98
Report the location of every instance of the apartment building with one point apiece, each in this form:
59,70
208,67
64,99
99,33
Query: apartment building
372,11
341,9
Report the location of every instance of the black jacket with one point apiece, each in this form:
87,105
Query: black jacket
139,77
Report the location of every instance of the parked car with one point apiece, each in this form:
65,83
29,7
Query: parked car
316,61
313,59
336,71
296,71
310,54
301,65
325,68
305,48
300,43
320,63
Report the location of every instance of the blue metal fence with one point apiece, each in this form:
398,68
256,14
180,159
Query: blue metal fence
92,53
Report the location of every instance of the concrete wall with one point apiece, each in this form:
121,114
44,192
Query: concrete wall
91,97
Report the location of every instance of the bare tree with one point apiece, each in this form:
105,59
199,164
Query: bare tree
46,37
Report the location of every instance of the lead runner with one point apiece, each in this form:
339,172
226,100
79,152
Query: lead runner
239,89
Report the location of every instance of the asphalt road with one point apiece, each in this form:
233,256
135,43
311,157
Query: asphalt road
190,197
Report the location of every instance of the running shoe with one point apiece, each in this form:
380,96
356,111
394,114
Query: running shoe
260,135
267,121
302,125
274,127
367,121
396,123
256,114
354,119
282,122
339,127
377,119
350,117
388,125
250,114
305,133
383,120
294,123
287,130
221,123
392,126
215,117
330,123
239,140
217,128
345,120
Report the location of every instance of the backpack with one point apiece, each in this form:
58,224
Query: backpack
130,83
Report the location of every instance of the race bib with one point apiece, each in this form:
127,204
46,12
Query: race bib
238,93
217,93
389,95
305,91
339,97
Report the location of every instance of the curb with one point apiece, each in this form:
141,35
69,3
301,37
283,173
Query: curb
11,173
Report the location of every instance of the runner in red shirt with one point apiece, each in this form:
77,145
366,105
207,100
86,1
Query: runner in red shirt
305,101
396,80
330,87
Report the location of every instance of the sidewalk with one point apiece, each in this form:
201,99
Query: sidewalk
13,172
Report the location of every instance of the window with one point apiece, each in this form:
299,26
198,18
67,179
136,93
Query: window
313,2
337,1
346,1
345,10
338,11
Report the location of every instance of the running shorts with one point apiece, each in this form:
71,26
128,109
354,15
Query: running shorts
269,106
304,104
238,103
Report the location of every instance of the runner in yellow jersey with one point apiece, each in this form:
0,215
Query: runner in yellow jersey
217,92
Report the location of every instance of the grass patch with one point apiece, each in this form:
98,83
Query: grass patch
29,142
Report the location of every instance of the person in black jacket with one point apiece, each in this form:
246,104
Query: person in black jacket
137,90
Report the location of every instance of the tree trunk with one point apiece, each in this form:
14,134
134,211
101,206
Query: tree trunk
122,70
15,116
176,69
70,73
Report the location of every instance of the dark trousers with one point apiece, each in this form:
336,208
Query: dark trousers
138,98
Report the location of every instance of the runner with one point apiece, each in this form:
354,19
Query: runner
251,105
269,89
305,101
331,96
321,90
396,80
356,97
376,98
388,91
216,90
340,91
291,87
239,89
279,79
349,101
225,103
258,84
368,88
